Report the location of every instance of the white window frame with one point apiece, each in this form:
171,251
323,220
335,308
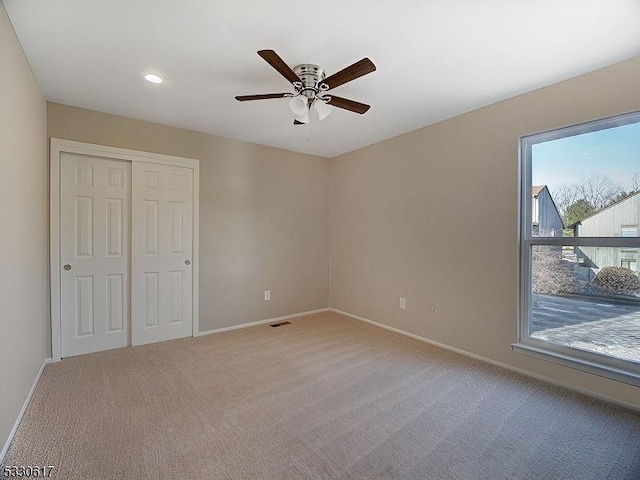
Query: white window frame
599,364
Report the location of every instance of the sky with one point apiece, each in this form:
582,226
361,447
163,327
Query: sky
614,152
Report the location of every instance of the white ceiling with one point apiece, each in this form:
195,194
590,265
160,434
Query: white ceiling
435,58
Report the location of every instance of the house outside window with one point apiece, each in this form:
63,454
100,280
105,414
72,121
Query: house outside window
579,284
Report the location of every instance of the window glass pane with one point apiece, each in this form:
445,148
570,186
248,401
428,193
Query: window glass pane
587,298
589,184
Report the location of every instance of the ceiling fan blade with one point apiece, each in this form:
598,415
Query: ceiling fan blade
276,62
347,104
352,72
265,96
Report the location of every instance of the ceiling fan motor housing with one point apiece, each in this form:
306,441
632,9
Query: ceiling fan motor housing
310,76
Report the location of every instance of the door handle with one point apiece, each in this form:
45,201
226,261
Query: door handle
187,262
67,267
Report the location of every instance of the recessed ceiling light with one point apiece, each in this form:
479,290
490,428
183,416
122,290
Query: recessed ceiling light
153,78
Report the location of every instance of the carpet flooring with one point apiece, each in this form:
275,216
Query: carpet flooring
326,397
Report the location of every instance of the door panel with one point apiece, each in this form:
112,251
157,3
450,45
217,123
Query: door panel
115,239
150,225
84,318
161,246
94,226
176,297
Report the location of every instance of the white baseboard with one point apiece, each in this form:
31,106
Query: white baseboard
490,361
260,322
24,409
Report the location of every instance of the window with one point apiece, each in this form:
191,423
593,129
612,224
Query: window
628,259
580,290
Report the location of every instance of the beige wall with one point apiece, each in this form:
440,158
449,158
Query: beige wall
23,221
264,215
433,215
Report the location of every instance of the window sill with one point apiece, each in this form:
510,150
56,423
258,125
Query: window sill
602,370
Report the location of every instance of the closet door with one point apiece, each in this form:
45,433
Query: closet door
161,253
94,262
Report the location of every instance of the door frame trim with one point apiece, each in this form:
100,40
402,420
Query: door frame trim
59,146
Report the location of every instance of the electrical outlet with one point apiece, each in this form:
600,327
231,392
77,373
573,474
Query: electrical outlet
403,303
267,294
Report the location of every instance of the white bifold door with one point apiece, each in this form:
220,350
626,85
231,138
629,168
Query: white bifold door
126,252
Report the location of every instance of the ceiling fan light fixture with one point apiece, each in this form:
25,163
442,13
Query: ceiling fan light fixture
303,118
322,109
299,107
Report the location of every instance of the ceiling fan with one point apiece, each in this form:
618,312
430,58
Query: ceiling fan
311,87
